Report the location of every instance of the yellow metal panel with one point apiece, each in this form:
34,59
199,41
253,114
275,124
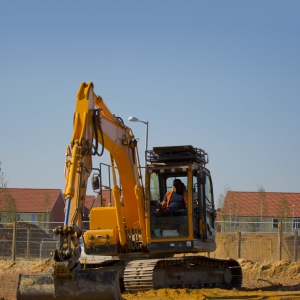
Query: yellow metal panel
101,237
103,218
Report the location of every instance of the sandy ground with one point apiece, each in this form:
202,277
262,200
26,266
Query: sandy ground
267,280
271,279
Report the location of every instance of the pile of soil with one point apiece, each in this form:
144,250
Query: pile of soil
281,274
9,274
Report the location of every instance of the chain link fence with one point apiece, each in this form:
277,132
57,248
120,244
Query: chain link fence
257,241
28,240
36,240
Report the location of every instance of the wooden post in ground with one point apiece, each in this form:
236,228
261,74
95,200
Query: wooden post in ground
14,241
279,246
28,243
296,246
239,245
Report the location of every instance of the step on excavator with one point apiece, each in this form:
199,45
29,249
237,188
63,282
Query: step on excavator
149,244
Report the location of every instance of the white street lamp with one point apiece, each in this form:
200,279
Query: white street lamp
134,119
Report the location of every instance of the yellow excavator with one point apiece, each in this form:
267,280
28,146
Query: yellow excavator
148,246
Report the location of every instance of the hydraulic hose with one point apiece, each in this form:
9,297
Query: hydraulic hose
96,124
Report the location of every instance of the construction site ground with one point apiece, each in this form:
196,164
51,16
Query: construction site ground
270,279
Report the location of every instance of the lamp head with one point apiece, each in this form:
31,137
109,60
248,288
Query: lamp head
133,119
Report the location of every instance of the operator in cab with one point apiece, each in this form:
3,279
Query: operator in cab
175,199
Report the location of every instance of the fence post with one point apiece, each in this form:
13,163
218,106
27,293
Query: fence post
296,246
279,246
14,240
239,244
28,243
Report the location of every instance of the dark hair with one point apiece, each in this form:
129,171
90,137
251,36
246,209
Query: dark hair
177,180
183,186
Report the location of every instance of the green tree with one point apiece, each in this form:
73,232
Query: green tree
3,183
283,210
8,208
44,217
222,196
220,203
263,206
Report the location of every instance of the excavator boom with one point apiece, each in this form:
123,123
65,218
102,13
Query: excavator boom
66,279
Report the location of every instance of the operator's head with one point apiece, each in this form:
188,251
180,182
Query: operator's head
177,184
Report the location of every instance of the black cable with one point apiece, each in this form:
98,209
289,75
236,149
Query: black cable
96,118
95,113
100,127
119,119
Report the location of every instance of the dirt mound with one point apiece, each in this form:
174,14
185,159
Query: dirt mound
9,274
19,225
268,274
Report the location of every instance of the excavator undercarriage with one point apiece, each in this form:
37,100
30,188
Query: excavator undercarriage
107,279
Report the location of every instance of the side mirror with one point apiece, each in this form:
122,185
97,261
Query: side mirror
95,182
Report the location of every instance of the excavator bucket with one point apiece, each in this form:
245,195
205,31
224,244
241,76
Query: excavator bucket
86,285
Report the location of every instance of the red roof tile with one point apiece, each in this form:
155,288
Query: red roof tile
91,202
34,200
247,204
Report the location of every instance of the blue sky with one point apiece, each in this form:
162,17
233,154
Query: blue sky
219,75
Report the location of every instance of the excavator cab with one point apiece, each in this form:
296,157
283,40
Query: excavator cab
191,228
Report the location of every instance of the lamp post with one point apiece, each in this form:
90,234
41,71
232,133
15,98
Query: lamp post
293,207
134,119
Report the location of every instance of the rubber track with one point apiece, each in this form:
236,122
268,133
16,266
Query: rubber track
138,274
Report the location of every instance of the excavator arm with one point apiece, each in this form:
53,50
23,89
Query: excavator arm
94,125
92,119
77,171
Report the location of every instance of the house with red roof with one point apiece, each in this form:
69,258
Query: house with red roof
46,207
260,211
106,199
35,205
48,204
